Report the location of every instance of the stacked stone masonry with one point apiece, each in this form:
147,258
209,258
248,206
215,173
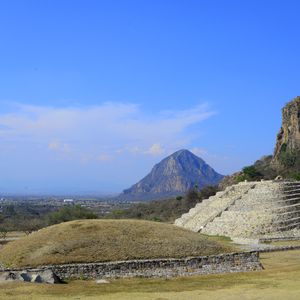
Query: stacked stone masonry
231,262
247,209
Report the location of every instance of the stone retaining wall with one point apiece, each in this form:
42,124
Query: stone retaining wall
225,263
280,248
275,239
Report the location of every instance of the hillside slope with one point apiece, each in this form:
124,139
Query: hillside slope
105,240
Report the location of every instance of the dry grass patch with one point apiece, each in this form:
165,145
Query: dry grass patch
286,243
280,280
106,240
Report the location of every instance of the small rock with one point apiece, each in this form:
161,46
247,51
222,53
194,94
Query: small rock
49,276
25,277
8,276
102,281
36,278
41,276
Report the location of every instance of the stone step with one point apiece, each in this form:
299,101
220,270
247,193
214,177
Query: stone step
287,220
294,195
288,190
287,213
286,207
291,183
279,204
236,231
294,225
185,218
215,208
241,227
193,211
247,209
268,210
296,199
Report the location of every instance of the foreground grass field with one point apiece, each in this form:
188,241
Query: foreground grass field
107,240
280,280
286,243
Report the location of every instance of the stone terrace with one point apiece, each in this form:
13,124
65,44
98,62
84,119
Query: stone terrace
247,209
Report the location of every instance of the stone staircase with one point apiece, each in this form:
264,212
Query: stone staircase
209,209
247,209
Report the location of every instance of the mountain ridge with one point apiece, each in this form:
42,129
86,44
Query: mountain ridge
173,176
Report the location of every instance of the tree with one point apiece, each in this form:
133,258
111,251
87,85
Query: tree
3,232
251,173
192,197
30,225
69,213
10,210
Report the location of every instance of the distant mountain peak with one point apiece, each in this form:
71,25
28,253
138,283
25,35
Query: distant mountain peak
174,175
181,151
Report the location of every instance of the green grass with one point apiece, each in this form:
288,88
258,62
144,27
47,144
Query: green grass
280,280
106,240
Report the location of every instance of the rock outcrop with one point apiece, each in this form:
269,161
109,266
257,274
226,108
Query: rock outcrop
173,176
287,149
285,160
289,134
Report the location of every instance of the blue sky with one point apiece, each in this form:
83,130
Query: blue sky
93,93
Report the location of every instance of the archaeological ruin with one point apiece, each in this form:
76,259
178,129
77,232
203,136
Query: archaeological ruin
248,210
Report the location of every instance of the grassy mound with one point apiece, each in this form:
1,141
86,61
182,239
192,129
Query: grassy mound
106,240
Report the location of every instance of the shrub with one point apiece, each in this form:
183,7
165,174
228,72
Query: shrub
240,178
251,173
164,210
296,176
69,213
3,232
287,158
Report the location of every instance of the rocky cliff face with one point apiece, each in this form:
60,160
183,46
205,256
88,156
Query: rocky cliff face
287,150
286,158
288,138
173,176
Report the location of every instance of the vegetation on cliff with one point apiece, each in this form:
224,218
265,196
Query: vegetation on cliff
286,158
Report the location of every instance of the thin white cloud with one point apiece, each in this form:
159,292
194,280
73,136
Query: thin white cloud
57,146
54,145
104,157
110,129
155,149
